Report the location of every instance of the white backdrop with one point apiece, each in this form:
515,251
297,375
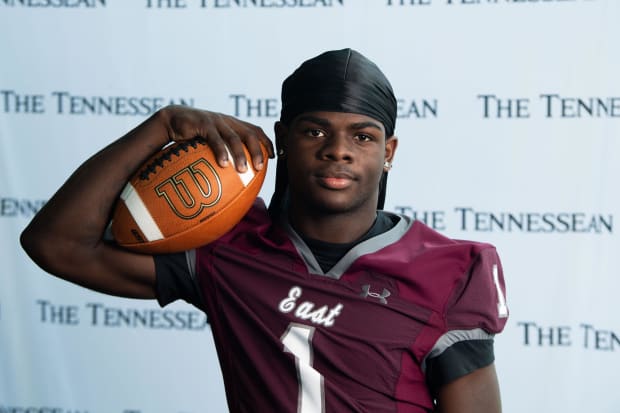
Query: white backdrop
509,124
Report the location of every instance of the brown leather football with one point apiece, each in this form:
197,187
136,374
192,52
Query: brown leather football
181,199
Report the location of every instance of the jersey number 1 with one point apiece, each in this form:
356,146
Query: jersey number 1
297,340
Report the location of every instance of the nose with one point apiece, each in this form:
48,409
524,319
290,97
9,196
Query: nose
337,148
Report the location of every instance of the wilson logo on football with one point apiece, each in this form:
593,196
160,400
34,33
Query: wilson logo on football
191,190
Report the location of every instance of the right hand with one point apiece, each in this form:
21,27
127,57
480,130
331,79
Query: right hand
220,131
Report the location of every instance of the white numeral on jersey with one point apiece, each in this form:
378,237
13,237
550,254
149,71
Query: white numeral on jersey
298,340
502,308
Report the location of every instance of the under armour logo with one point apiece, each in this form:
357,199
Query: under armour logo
381,297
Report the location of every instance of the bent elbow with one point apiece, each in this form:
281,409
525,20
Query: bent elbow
32,245
29,242
42,250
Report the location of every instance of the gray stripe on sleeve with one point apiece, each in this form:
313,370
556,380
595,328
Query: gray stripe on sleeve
190,258
453,337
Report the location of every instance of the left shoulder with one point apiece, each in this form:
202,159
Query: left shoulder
456,277
423,242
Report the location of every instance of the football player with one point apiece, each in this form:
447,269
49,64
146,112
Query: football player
322,302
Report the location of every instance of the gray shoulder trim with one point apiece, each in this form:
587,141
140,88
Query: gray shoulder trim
452,337
190,258
363,248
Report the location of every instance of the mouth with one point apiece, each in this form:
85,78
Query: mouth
335,179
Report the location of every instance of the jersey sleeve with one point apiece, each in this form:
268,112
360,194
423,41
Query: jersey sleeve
478,301
175,278
476,311
459,359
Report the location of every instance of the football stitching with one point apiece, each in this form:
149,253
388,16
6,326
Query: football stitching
175,150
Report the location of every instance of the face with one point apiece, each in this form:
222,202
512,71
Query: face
335,161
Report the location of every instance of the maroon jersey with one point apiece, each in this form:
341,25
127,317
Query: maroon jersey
292,338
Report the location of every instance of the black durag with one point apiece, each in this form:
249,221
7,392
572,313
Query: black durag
335,81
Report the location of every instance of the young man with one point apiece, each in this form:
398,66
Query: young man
323,303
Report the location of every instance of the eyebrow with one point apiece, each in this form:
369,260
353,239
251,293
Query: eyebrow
325,123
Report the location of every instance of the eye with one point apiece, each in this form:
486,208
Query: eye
362,137
315,133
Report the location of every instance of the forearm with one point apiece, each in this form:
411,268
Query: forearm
79,211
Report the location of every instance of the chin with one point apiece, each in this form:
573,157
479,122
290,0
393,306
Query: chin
333,205
321,201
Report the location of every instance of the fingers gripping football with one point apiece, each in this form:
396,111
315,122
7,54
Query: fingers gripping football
225,135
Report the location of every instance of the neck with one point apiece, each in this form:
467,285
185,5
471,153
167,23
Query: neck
338,228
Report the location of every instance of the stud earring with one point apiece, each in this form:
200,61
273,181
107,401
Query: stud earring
280,152
387,165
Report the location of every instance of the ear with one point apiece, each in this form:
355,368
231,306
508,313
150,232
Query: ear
390,148
281,132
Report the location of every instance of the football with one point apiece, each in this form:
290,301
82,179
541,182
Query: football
180,199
